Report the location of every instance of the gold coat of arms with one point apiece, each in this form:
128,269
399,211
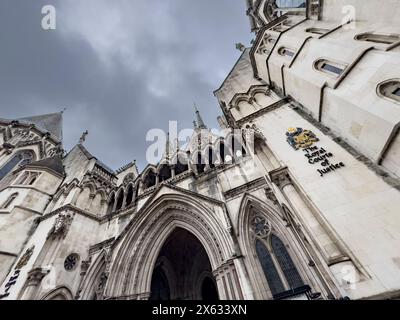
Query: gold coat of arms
300,138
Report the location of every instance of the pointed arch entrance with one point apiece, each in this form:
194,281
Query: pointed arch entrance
183,270
142,248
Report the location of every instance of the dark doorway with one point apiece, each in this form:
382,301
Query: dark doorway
209,290
159,285
180,268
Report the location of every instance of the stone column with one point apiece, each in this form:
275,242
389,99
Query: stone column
227,280
323,238
172,171
35,277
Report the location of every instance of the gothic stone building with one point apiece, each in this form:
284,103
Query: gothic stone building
308,208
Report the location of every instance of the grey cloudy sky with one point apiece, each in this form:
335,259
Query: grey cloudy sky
120,67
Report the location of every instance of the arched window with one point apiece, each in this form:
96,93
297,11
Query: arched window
200,163
129,195
32,178
165,173
378,38
181,165
389,89
211,157
20,158
111,203
286,263
120,200
22,178
149,179
27,178
329,67
276,263
271,273
9,201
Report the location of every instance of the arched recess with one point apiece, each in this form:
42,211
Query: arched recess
92,284
96,205
111,203
181,163
164,172
60,293
263,285
84,196
146,234
129,195
149,178
120,199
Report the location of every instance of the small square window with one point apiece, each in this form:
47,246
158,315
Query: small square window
331,68
289,53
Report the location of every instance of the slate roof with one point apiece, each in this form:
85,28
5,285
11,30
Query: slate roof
53,163
51,122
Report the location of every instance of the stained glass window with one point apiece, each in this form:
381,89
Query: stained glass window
271,273
286,263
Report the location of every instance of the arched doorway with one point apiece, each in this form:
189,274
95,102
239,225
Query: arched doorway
179,272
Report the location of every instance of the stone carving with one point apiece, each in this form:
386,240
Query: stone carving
280,177
61,225
271,196
25,258
36,275
82,139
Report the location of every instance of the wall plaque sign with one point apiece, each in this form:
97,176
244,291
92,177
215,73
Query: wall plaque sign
305,139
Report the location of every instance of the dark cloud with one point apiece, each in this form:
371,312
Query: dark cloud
120,67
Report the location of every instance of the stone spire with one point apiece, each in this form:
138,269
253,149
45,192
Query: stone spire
200,122
167,147
51,122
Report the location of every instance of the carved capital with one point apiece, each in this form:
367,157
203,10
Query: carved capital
271,196
280,177
36,275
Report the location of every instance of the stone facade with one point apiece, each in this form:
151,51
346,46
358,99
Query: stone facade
306,208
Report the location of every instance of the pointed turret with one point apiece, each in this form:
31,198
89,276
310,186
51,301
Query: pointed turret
51,122
200,122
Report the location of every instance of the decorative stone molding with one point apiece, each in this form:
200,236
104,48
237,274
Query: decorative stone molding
260,112
102,285
271,195
85,264
35,276
280,177
245,188
61,225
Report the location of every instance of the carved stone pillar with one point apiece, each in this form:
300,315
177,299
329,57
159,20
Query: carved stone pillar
255,104
323,238
35,277
172,172
227,280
